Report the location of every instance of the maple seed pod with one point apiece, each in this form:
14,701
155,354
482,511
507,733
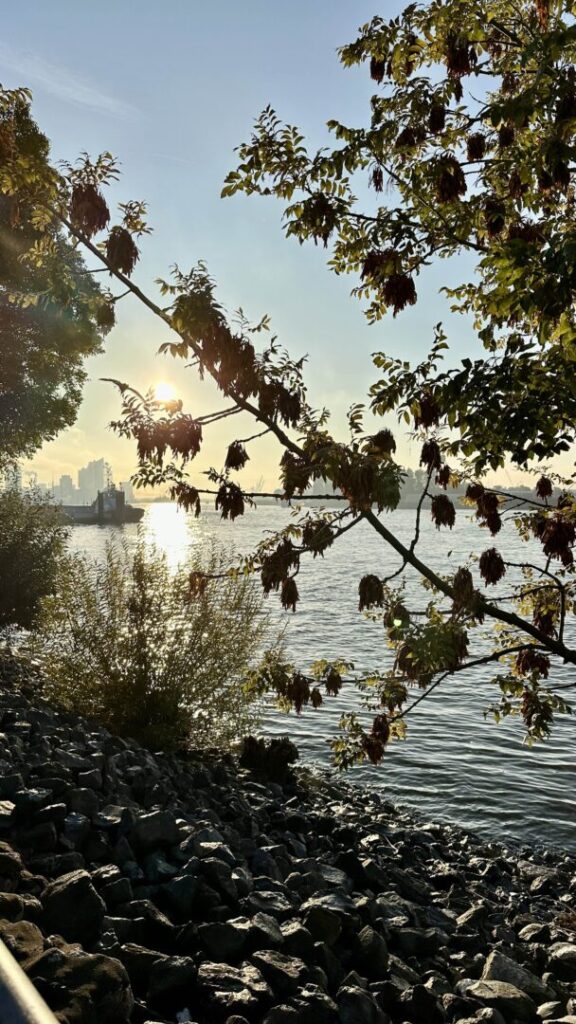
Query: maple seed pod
494,217
443,511
317,537
377,69
506,135
437,118
333,682
88,210
231,500
298,691
377,179
463,588
399,291
105,317
289,595
493,521
476,146
381,728
450,180
431,456
406,139
459,55
379,265
315,697
487,503
428,412
557,538
236,456
474,492
531,660
443,476
384,442
370,592
525,232
320,216
373,748
491,566
544,487
121,251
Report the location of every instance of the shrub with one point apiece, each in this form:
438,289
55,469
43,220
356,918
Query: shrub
154,654
32,537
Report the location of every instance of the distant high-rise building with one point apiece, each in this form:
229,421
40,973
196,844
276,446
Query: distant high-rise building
91,479
67,490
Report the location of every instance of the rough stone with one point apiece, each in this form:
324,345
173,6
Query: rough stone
156,829
283,973
499,967
515,1006
229,990
73,908
83,989
563,960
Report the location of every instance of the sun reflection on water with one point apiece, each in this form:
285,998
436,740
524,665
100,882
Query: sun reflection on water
171,530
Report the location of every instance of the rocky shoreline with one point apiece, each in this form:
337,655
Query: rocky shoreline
140,887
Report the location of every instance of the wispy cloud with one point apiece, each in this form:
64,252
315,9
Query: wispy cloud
34,70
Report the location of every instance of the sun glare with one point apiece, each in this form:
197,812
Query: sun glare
164,392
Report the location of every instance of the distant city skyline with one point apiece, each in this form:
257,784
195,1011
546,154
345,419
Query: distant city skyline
92,478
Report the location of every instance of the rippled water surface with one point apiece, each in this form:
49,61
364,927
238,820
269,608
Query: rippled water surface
455,765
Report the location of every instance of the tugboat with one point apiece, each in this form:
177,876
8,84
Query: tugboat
110,508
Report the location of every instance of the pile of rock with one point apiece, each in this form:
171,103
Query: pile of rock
147,887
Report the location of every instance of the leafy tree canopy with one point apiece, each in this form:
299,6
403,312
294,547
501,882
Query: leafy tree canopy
468,148
49,305
32,538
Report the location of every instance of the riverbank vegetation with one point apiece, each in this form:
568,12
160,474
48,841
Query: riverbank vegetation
32,540
151,652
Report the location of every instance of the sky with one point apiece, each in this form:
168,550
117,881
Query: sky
171,89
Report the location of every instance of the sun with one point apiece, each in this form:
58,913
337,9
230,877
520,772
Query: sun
164,392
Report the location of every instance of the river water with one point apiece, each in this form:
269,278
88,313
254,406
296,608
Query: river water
455,765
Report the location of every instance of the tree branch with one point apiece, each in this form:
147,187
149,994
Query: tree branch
462,668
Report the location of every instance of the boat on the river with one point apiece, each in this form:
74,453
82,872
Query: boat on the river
110,508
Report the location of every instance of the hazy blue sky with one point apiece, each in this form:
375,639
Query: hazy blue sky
171,89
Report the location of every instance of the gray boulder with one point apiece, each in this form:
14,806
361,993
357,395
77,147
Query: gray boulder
499,967
73,908
514,1005
283,973
79,987
228,990
563,960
